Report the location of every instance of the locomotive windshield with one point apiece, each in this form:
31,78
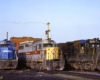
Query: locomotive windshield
94,43
47,45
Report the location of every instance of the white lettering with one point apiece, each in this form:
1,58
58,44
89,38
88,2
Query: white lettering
7,51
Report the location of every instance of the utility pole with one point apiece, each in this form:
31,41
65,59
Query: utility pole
47,32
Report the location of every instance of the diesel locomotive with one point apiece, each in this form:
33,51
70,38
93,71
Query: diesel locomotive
82,54
8,55
42,54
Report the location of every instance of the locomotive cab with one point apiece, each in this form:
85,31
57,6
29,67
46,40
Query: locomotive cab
89,53
95,45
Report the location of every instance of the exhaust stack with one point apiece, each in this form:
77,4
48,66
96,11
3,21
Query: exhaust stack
7,35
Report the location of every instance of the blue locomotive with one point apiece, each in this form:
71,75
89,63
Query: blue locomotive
8,55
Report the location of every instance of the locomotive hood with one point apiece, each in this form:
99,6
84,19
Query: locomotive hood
6,53
7,50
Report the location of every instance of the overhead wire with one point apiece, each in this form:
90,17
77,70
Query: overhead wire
21,22
13,22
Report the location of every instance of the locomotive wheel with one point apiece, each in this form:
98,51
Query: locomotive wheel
92,67
32,65
38,66
87,66
49,65
75,65
83,66
61,66
80,66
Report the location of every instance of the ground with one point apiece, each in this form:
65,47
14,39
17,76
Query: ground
46,75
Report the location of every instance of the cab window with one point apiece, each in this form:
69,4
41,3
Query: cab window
21,47
82,48
26,45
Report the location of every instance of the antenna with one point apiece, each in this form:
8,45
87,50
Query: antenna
47,32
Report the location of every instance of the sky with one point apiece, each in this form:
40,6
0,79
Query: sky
69,19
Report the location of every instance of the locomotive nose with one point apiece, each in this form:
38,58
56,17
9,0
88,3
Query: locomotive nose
51,53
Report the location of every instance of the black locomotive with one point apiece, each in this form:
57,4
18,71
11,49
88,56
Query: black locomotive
82,54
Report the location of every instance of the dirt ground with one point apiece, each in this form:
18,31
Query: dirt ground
27,75
35,75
